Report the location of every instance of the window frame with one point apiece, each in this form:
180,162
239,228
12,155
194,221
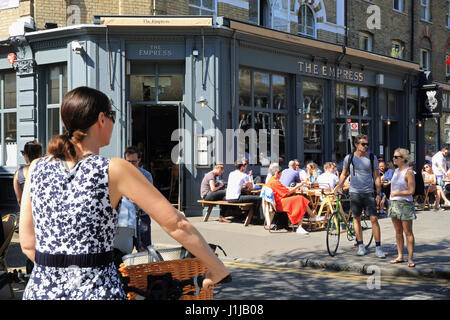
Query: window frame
304,32
52,106
425,7
369,37
359,118
202,8
401,45
401,5
271,110
428,60
3,112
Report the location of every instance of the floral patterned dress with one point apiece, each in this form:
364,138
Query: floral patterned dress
73,215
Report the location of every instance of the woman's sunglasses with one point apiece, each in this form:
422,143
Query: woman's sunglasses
111,114
397,157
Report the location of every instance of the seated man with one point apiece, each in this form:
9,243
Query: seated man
328,179
238,181
212,190
290,177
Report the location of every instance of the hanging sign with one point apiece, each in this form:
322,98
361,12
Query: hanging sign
11,58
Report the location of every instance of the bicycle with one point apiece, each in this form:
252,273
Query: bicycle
337,217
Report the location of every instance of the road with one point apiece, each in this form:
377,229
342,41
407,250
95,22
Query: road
281,283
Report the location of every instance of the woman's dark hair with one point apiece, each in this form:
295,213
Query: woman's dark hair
33,150
79,111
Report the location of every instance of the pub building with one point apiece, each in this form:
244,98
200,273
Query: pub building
204,76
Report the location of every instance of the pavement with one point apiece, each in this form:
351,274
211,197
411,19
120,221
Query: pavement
253,244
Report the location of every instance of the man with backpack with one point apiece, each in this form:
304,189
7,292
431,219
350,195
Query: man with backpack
364,183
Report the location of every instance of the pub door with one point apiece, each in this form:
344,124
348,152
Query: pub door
151,131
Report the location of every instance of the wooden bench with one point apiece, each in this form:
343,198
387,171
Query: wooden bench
247,206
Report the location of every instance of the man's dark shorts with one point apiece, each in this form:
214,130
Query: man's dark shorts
360,201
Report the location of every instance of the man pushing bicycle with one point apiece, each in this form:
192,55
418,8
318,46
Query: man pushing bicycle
364,175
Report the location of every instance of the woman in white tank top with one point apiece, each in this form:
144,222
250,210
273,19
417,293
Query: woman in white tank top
401,209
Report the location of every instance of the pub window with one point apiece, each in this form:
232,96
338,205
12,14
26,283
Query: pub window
425,59
431,137
313,109
353,116
425,12
155,83
365,41
306,25
445,120
263,106
397,49
253,11
202,7
8,120
56,89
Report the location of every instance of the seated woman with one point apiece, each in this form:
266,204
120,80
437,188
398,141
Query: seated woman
311,173
286,200
429,178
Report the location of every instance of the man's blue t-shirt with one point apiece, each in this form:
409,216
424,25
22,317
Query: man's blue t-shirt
288,176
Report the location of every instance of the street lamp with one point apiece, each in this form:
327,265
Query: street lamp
202,101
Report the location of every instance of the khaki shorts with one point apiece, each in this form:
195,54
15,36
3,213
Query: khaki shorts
402,210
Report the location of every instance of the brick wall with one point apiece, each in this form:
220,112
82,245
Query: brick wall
232,12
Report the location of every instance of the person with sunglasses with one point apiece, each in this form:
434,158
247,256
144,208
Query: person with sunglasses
401,210
69,210
364,181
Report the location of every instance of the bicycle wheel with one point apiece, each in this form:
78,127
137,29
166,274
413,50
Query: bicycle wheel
366,226
333,234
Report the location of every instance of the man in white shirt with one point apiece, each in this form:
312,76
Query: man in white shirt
328,179
238,181
439,165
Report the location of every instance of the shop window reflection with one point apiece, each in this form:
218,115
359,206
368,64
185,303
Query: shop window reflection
262,89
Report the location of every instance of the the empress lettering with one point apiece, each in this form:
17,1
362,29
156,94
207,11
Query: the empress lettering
330,71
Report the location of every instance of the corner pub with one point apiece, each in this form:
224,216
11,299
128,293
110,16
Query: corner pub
202,75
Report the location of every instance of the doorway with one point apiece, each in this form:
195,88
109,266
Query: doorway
152,127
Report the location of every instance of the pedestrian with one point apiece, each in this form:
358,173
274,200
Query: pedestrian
439,165
134,229
401,210
143,228
212,190
364,172
69,208
32,150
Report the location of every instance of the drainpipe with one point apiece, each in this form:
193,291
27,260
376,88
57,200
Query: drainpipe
154,7
346,22
412,31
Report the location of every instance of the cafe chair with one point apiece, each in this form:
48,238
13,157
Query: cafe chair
9,223
271,215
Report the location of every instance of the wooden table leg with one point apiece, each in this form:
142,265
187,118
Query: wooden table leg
208,213
249,216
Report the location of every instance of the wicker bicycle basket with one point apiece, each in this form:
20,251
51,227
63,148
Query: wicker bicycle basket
181,269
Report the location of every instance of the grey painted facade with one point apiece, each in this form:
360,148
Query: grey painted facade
107,60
